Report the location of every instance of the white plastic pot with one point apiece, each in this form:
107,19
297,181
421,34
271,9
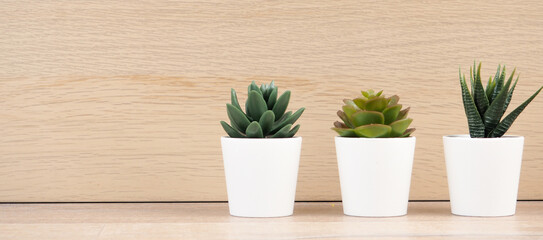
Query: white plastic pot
483,174
261,175
375,175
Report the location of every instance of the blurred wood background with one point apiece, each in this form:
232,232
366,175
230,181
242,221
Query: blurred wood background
121,101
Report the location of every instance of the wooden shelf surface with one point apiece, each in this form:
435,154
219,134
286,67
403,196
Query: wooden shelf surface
311,220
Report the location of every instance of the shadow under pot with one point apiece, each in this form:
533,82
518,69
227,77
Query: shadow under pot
261,175
375,175
483,174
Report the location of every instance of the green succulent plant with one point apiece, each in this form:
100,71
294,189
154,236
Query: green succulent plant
373,116
485,107
265,114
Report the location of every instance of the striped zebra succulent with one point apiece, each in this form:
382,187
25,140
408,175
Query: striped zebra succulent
373,116
265,114
485,106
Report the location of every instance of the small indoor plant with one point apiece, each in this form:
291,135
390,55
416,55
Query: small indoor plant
375,155
261,154
483,169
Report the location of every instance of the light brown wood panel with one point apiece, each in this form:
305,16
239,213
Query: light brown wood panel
121,101
322,220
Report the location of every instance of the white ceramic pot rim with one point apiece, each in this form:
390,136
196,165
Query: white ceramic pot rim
466,137
364,139
295,138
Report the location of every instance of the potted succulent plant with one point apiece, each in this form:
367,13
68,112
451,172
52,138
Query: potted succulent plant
483,168
375,155
261,154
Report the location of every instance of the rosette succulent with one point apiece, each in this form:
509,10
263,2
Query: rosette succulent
373,116
485,106
265,114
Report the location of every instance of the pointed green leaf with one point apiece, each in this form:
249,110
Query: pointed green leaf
373,131
391,113
367,117
365,94
281,105
510,95
376,104
233,133
283,118
290,120
237,118
479,97
379,93
254,130
399,127
256,105
283,132
293,131
265,89
506,123
345,119
489,89
254,87
499,84
494,113
266,121
476,126
272,98
234,99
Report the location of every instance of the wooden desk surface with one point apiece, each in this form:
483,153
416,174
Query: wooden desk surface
311,220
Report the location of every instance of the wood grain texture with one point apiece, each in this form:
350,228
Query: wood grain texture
121,101
426,220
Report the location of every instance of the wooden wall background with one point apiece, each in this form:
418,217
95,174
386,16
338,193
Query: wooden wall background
121,101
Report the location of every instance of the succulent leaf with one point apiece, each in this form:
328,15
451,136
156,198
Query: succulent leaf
479,95
254,130
272,98
399,127
281,105
266,121
391,113
237,118
293,131
234,99
475,123
371,116
499,84
288,121
233,133
367,117
393,100
506,123
408,132
254,87
376,104
494,113
510,95
345,119
351,103
283,132
373,131
360,103
403,113
257,105
345,132
265,114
